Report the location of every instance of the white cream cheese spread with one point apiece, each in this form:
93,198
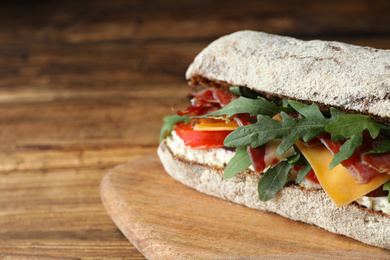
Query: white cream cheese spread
375,203
215,157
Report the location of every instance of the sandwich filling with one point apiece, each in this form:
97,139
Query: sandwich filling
220,157
347,155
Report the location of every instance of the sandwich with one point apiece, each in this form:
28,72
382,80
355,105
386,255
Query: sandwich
297,128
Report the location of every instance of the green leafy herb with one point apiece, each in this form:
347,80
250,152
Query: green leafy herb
346,150
385,131
289,130
352,124
302,173
386,186
296,160
273,180
239,163
285,103
236,90
311,112
247,105
242,91
335,112
383,148
170,121
336,138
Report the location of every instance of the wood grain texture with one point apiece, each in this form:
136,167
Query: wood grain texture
166,220
84,85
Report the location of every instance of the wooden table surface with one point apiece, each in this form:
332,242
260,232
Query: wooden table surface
84,85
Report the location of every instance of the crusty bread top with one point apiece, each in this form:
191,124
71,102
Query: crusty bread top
336,74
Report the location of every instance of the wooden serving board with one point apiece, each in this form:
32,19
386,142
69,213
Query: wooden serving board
166,220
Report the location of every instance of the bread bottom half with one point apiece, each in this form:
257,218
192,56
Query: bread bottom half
297,203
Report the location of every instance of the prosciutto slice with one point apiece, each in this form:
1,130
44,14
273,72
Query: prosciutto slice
378,161
356,165
257,158
207,100
263,156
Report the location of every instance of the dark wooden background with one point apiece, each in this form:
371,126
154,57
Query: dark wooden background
84,85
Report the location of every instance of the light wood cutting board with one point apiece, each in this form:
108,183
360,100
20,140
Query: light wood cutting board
167,220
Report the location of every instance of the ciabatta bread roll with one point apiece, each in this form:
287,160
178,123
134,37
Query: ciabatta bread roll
335,125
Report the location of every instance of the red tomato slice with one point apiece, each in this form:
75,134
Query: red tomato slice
200,139
311,176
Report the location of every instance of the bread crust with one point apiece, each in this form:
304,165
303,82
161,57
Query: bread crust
294,202
341,75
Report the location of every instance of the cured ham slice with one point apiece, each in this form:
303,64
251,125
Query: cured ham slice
378,161
257,158
265,156
362,172
207,101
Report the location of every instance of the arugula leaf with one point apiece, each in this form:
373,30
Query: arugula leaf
335,113
243,91
385,131
336,138
289,130
273,181
346,150
285,103
296,160
170,121
309,111
314,112
352,124
239,163
302,173
386,186
383,148
247,105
